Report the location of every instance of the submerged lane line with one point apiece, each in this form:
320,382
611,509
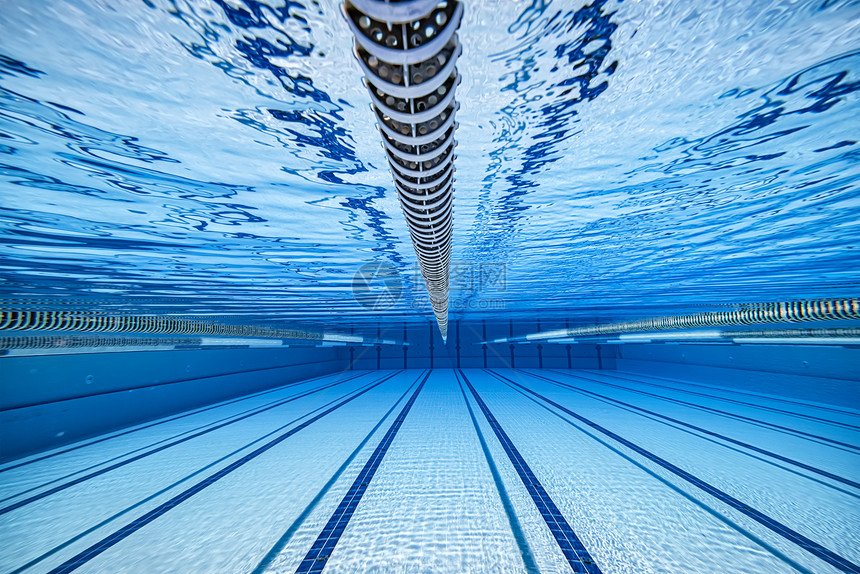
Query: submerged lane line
96,473
764,424
746,445
738,402
207,427
807,404
662,480
832,558
83,557
163,421
278,547
513,521
577,556
182,480
149,386
319,553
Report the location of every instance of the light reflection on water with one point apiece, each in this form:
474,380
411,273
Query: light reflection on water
219,158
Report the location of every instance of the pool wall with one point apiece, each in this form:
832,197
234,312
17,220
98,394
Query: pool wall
50,400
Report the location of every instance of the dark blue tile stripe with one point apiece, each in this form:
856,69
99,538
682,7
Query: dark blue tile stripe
214,464
149,386
745,445
207,427
94,474
805,404
719,412
278,547
738,402
513,521
132,527
802,541
80,445
574,551
317,557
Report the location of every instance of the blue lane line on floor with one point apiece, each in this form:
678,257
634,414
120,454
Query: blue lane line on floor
96,473
739,402
735,391
170,487
807,544
207,427
577,556
513,521
764,424
317,557
161,422
82,558
746,445
278,547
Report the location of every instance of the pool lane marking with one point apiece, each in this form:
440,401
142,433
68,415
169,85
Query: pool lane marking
163,421
83,557
799,402
253,411
149,386
829,556
96,473
513,521
764,424
278,547
574,551
319,553
738,402
620,451
746,445
170,487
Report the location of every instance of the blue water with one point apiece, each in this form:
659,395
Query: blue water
217,161
616,159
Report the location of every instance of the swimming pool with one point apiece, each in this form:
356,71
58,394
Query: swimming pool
217,348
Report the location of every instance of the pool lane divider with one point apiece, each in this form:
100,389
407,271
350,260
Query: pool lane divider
278,547
574,551
764,424
94,474
85,556
814,548
319,553
80,445
779,457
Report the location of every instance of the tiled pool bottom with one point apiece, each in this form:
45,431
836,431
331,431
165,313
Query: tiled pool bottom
452,471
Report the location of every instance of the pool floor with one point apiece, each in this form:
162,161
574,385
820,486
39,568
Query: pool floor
455,471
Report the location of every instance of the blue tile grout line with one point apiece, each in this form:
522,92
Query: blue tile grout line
764,424
797,463
513,521
574,551
800,540
83,557
94,474
319,553
278,547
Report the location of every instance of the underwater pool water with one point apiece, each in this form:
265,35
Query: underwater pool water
217,352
